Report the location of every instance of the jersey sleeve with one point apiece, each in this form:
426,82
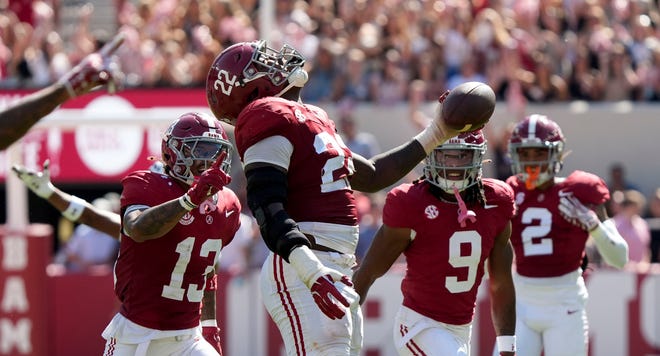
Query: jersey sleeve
233,204
395,207
502,195
587,187
262,119
141,187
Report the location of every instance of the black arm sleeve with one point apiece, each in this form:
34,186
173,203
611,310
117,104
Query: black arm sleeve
266,197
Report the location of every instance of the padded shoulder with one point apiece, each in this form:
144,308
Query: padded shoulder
587,187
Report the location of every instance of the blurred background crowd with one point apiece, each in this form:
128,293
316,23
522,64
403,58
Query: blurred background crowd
385,52
373,51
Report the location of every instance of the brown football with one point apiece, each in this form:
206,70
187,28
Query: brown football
469,106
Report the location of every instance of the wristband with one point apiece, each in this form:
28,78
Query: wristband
506,343
306,265
210,322
75,209
428,138
185,202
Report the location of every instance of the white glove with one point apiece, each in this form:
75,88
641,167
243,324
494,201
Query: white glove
577,214
436,133
38,182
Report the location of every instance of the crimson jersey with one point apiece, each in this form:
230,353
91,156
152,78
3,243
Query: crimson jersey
446,261
318,188
545,244
160,282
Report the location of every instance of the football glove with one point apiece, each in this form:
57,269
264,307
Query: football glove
321,282
577,214
209,182
212,336
38,182
95,70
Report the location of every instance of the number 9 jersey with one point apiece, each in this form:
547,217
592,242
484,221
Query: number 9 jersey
445,261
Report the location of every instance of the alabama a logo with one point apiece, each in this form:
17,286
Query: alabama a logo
187,219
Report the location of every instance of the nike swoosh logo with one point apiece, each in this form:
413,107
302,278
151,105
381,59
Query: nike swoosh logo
227,213
570,312
564,194
489,206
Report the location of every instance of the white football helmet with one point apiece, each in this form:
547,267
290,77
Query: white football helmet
456,163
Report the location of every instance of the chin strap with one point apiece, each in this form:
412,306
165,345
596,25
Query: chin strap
532,176
463,212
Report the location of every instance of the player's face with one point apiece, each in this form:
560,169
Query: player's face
203,155
454,158
534,156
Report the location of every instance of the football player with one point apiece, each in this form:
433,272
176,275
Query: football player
300,182
555,217
451,226
174,224
92,72
79,211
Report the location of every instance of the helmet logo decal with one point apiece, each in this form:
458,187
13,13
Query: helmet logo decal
431,212
225,82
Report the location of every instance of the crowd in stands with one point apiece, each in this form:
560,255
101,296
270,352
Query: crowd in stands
529,50
386,52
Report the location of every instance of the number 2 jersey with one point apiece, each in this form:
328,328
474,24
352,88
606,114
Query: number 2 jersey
160,282
445,262
546,244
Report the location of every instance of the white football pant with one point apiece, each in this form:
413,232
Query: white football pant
304,328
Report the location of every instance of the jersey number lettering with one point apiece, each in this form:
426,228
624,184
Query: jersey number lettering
184,248
225,82
457,260
325,142
535,237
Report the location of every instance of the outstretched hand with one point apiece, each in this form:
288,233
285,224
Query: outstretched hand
38,182
209,182
437,132
95,70
571,209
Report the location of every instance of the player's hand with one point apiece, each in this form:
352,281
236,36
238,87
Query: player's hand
209,182
38,182
446,131
437,132
321,282
95,70
326,295
212,336
577,214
